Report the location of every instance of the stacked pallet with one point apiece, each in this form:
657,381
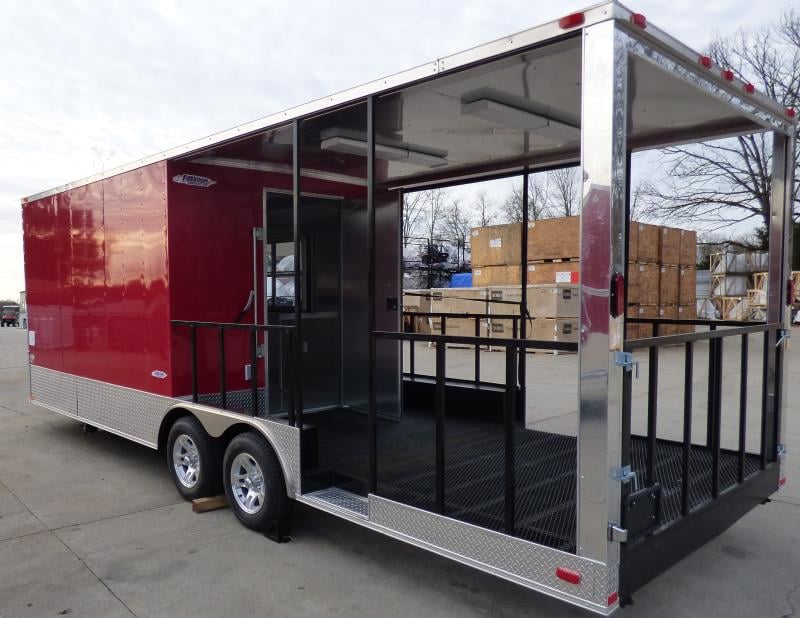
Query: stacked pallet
417,301
661,270
738,284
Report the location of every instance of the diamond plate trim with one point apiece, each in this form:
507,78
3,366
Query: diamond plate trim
340,499
54,389
285,439
525,563
132,413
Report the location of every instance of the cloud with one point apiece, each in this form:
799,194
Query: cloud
135,78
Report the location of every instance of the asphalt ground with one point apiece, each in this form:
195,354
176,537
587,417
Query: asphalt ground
91,525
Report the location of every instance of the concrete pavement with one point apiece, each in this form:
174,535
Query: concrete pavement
90,525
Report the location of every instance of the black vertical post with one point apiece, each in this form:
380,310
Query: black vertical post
372,422
253,370
411,344
652,410
440,427
776,416
287,345
193,333
764,400
627,394
712,367
477,352
688,375
295,414
742,407
509,407
298,282
523,306
717,439
223,390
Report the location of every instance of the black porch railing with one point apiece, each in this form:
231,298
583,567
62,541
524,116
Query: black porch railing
286,334
513,348
717,334
477,318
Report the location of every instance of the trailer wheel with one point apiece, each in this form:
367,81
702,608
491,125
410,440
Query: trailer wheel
193,459
254,482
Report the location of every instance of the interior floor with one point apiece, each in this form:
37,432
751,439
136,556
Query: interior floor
545,464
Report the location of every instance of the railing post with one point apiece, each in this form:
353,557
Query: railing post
193,333
372,422
440,425
652,410
688,376
286,347
509,414
223,391
764,400
711,390
477,352
715,454
254,370
411,351
742,407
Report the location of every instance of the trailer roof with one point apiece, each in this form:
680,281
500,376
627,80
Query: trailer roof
779,118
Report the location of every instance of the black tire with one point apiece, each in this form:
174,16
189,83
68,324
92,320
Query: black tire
276,503
208,480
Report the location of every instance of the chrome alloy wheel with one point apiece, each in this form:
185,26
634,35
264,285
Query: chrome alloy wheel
247,483
186,461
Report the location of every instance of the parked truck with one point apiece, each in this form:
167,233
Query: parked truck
9,315
163,322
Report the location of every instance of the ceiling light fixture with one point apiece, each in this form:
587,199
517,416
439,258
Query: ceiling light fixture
352,142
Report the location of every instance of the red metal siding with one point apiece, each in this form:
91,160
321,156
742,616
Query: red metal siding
96,276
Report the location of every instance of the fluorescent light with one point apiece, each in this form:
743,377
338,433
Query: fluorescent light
516,117
500,113
279,168
354,142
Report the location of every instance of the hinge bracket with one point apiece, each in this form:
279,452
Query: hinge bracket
783,336
624,474
261,350
627,362
258,233
617,533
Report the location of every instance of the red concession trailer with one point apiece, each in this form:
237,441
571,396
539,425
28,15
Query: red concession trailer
236,303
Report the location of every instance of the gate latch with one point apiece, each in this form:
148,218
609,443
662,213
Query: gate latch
627,362
617,533
783,336
624,474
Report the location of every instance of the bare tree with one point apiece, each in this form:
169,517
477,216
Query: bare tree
485,210
413,207
456,225
538,200
729,181
564,197
435,210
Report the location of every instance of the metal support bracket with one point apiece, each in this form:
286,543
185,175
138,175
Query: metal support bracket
261,350
627,362
617,533
624,474
784,335
258,233
781,450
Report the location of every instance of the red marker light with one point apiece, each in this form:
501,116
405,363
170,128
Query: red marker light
613,598
571,577
617,304
727,74
782,482
705,61
791,112
571,21
639,20
749,88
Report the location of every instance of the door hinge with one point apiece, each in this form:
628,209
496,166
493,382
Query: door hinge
617,533
258,233
627,362
261,350
781,450
783,336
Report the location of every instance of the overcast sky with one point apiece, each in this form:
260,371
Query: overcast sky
84,81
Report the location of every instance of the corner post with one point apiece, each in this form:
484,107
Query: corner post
604,118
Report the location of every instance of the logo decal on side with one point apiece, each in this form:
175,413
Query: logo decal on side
193,181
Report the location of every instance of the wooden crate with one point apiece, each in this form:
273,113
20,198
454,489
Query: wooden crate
669,279
554,238
633,283
555,329
687,286
647,243
645,311
668,312
496,275
496,245
417,301
669,249
632,329
554,272
647,278
687,312
688,254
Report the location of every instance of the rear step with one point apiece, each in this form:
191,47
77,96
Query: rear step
338,500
